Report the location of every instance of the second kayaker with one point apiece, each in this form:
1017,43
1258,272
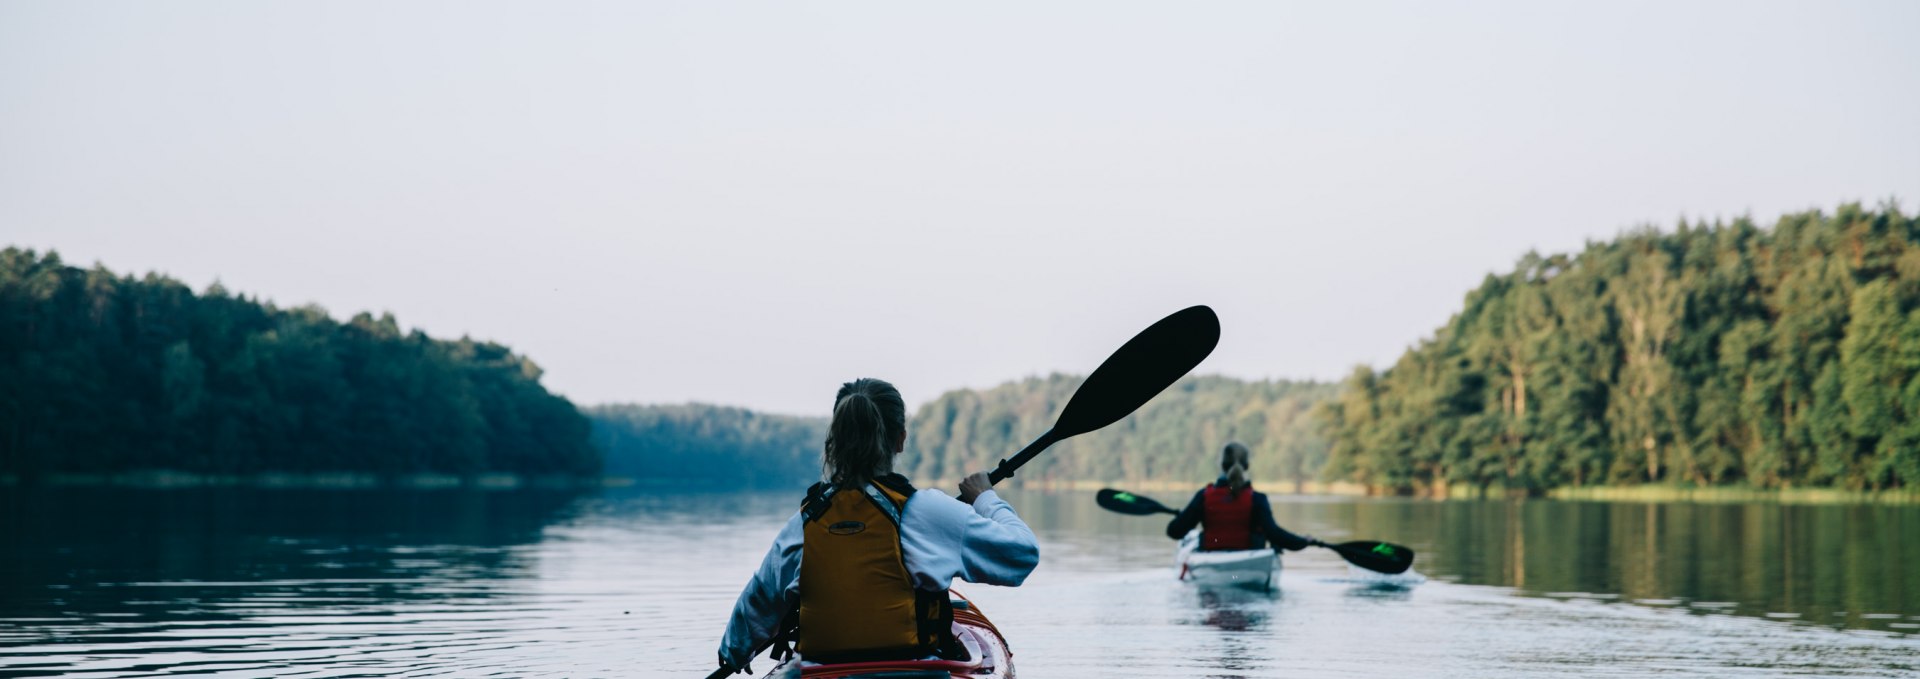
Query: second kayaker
1231,514
879,554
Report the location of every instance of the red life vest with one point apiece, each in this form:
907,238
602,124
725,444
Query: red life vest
1228,521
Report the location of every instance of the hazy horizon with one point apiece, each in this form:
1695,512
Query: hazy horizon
680,202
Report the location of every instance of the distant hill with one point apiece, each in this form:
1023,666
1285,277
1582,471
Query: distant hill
1176,437
101,372
707,445
1717,353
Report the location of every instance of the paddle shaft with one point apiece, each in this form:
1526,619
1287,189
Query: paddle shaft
1007,466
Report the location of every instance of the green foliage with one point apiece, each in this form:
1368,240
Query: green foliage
1717,353
1176,436
104,373
697,444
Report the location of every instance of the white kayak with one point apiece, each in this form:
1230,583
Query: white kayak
1252,568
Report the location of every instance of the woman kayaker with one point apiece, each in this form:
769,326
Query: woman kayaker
879,554
1231,515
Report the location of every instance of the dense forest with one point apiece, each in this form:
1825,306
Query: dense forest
1717,353
1712,354
103,373
1175,437
706,445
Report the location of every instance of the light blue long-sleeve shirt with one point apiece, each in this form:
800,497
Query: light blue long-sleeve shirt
941,538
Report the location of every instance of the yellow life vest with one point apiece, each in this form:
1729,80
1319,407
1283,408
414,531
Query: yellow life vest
857,600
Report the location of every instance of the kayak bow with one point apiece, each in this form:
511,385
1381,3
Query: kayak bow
1251,568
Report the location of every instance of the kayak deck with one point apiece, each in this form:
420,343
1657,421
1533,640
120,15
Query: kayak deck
988,656
1253,568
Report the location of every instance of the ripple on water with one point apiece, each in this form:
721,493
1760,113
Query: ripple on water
641,588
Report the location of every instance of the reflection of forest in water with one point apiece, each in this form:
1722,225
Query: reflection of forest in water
227,553
214,554
1847,565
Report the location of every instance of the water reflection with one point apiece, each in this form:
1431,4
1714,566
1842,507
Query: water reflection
1839,565
1234,609
1242,616
638,583
150,580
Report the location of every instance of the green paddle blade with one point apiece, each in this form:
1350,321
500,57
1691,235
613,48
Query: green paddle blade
1373,555
1127,503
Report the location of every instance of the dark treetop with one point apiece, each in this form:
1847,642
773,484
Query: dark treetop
102,373
1716,353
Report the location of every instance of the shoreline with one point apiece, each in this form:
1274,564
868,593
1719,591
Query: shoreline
1735,494
1646,493
167,479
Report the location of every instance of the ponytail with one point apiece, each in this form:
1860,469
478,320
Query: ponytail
868,415
1234,460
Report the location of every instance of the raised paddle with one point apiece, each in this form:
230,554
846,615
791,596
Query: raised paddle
1139,370
1373,555
1134,374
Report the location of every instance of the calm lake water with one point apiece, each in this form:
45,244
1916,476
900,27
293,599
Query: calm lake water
122,583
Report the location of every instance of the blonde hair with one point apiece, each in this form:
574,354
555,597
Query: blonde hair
1234,460
868,415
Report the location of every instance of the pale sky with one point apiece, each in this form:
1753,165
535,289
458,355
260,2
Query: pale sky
749,203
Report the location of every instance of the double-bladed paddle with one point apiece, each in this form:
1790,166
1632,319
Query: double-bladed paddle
1136,372
1373,555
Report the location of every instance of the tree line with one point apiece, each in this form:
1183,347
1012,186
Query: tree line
706,445
106,373
1718,353
1175,437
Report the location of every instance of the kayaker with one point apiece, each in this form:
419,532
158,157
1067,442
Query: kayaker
879,553
1231,514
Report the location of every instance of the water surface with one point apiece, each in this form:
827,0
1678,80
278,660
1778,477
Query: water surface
118,583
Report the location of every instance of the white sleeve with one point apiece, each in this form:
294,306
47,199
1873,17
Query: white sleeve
999,548
773,591
985,543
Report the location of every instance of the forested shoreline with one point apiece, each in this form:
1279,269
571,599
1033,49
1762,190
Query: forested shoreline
1176,437
108,373
703,445
1714,354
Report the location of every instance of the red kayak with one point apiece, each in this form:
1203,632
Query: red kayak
988,656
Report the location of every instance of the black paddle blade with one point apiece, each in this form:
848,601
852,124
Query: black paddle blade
1140,369
1133,375
1383,557
1127,503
